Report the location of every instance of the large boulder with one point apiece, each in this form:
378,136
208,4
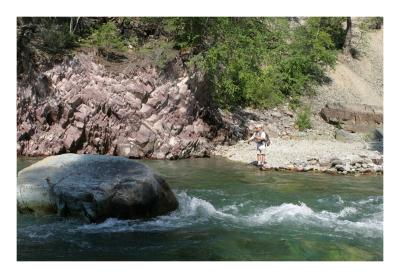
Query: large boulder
93,186
345,136
353,117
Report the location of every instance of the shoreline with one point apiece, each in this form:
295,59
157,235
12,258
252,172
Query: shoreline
360,161
305,155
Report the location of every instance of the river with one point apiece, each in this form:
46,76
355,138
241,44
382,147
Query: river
228,211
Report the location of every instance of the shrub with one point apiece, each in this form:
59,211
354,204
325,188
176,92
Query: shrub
261,61
55,38
294,103
374,22
303,120
158,53
132,41
106,39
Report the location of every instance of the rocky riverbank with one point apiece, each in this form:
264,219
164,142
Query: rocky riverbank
304,155
346,117
136,111
80,107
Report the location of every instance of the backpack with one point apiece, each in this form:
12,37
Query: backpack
267,141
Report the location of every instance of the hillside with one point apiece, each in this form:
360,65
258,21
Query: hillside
353,81
173,88
356,80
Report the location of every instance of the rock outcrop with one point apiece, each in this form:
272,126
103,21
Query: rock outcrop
79,107
353,117
94,187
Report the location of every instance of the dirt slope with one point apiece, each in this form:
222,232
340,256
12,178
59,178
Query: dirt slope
356,80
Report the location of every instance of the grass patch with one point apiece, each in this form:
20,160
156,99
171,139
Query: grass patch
303,120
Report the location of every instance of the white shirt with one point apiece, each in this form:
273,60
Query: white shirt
259,134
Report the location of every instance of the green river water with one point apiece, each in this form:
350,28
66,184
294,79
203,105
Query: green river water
228,211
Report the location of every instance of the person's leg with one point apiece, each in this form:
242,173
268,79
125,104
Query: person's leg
258,159
262,154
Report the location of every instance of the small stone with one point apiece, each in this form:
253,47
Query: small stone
345,136
331,171
276,114
336,161
79,125
265,167
308,168
312,161
146,111
324,163
377,161
75,101
299,168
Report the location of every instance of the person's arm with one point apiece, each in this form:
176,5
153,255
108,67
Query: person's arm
267,140
251,138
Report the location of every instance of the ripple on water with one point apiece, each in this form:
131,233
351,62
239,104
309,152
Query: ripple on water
196,211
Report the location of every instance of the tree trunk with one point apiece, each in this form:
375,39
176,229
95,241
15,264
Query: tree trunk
76,24
347,41
71,24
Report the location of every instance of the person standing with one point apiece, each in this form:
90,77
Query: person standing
262,141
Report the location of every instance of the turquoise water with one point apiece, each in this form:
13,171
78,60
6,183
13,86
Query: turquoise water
228,211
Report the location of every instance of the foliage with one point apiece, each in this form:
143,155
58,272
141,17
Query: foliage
48,34
259,61
303,120
106,38
56,39
373,22
294,103
334,27
338,125
131,42
234,60
157,52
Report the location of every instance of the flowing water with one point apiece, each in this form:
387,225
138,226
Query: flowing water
228,211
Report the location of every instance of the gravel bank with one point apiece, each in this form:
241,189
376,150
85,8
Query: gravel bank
329,156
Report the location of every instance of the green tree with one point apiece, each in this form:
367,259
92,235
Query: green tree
106,39
259,61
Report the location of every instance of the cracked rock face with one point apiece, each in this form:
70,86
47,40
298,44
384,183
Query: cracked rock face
88,110
94,187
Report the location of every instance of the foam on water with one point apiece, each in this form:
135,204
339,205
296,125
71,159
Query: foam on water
194,210
371,226
191,210
35,235
370,200
193,206
334,199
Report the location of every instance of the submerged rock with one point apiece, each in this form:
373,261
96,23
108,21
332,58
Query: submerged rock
93,186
